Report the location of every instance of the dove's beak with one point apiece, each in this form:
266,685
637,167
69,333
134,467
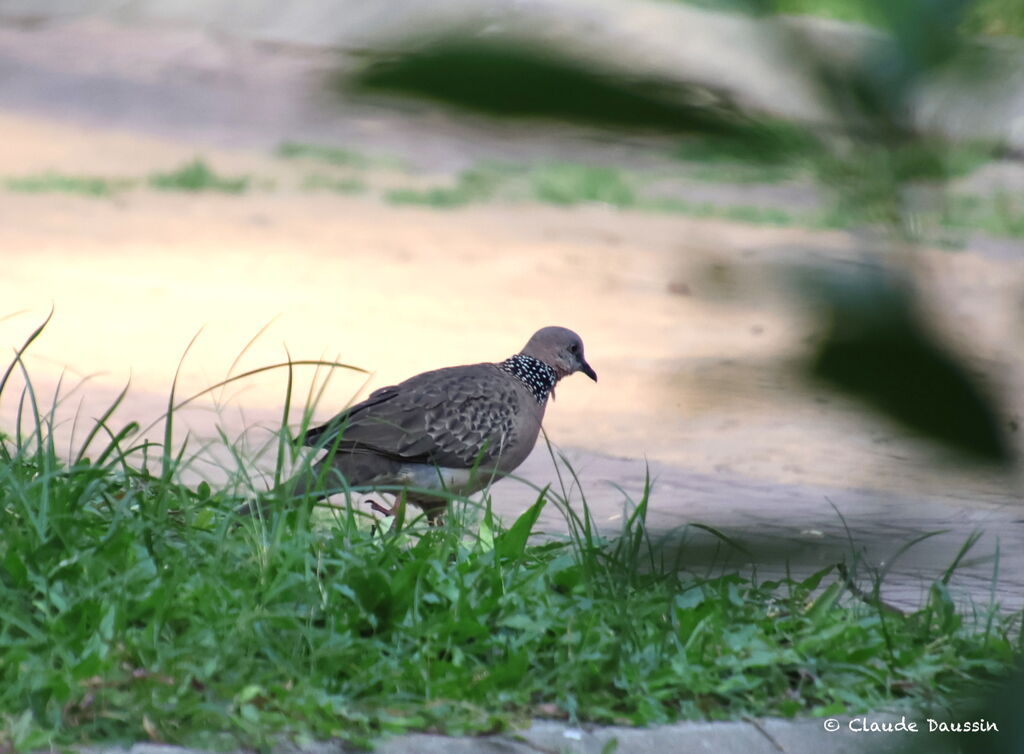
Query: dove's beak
588,370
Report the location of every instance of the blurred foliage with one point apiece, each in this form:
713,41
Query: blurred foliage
1002,706
875,346
993,17
509,79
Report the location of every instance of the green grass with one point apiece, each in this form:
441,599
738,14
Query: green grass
438,197
337,156
867,198
198,176
1000,215
477,184
806,156
567,184
50,182
134,606
193,176
559,183
736,213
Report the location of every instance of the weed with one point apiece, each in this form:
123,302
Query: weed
737,213
567,184
1001,214
563,184
198,176
437,197
291,150
476,184
44,183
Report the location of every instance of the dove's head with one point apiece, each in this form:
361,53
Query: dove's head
561,349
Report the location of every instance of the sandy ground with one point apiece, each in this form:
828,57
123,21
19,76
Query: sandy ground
695,338
688,376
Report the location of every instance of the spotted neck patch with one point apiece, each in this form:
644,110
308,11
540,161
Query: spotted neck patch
534,373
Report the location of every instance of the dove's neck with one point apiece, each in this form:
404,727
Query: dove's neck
538,377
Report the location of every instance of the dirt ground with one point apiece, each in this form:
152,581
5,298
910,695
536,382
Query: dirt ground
688,376
688,322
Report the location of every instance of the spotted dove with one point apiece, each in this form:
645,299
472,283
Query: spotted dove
450,430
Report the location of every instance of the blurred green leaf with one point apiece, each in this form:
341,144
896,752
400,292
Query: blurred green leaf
879,350
873,96
993,724
513,80
1002,707
927,32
